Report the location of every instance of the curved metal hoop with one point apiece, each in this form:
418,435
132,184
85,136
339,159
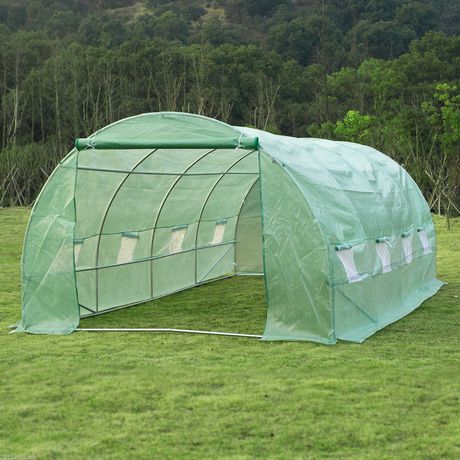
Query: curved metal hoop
163,202
107,209
133,171
206,202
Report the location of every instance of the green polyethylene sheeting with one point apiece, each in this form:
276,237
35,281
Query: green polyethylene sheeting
162,202
355,195
298,297
248,256
49,296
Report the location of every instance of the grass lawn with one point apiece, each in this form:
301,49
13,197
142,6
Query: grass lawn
141,395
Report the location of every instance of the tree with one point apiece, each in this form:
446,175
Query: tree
355,128
170,26
420,17
443,112
294,40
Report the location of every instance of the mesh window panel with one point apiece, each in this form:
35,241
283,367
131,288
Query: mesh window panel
348,262
127,245
406,242
384,256
425,242
177,238
219,231
76,249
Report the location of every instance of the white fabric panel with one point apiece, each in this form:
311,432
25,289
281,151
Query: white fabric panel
219,232
346,257
407,247
384,255
177,238
425,243
126,252
77,249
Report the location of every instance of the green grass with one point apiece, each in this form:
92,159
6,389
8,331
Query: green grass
140,395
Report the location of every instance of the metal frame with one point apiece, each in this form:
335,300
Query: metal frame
151,173
163,202
204,206
214,264
128,173
138,143
132,171
107,209
147,259
150,228
86,308
135,304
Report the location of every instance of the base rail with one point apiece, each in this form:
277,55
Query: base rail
164,329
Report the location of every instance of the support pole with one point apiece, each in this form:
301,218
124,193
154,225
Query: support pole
188,331
98,142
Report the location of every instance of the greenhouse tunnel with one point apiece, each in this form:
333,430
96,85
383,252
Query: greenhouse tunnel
158,203
164,220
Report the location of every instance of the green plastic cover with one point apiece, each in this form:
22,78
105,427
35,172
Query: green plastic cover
49,292
169,201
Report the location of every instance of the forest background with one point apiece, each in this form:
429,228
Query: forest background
379,72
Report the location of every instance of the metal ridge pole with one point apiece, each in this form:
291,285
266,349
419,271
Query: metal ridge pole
250,143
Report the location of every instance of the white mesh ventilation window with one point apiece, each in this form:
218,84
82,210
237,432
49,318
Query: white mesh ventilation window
345,254
406,240
425,242
177,238
77,244
384,254
127,246
219,231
